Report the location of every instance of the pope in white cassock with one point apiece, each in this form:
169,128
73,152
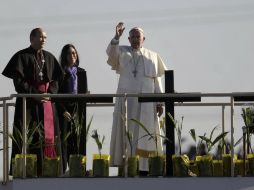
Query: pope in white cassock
140,70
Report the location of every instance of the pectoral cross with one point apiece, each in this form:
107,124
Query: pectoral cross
134,73
41,75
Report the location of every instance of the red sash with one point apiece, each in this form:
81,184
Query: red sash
49,150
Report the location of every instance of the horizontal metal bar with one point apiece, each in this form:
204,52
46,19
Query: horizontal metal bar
5,98
68,95
8,104
212,104
176,104
243,98
189,94
100,105
173,99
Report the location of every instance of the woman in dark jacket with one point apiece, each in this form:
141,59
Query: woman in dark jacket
72,110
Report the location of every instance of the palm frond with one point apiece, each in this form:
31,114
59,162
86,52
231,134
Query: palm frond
219,137
99,142
103,138
88,127
238,141
142,126
67,136
172,119
211,134
129,137
35,128
193,134
204,138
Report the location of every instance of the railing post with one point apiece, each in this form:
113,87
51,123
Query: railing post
244,150
24,137
5,144
232,134
125,136
125,153
170,130
223,127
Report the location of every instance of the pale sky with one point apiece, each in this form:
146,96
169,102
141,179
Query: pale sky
208,43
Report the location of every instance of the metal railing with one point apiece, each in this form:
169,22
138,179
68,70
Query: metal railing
5,106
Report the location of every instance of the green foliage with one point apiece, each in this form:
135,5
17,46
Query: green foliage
209,142
152,136
227,144
238,141
129,135
248,116
193,135
78,129
98,141
17,137
178,127
221,145
130,140
88,128
197,143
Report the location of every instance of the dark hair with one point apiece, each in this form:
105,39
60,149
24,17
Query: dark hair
63,57
34,32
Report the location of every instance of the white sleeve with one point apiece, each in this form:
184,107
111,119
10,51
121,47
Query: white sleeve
158,85
161,66
113,52
158,88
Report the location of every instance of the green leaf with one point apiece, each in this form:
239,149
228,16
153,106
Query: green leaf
142,126
238,142
172,119
211,134
144,137
35,128
67,136
88,127
165,138
103,138
14,140
96,137
152,136
130,137
244,116
181,125
219,137
204,138
193,134
17,137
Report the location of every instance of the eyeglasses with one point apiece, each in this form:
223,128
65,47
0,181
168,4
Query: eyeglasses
72,53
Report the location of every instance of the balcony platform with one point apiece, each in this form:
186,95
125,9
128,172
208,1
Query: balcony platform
149,183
